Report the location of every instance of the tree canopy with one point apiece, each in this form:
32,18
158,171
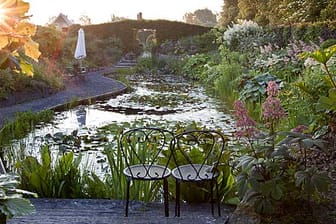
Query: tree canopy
277,12
202,17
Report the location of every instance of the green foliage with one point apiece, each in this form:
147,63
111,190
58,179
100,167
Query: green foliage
146,65
52,177
253,89
323,56
47,73
7,84
319,30
278,12
96,187
272,169
229,12
225,85
141,190
311,182
50,42
12,202
202,17
47,78
327,103
269,177
23,123
195,66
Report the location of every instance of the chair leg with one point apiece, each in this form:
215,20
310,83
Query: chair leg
127,197
211,197
165,195
177,200
218,199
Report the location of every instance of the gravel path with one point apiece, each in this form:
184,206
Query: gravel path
89,211
92,85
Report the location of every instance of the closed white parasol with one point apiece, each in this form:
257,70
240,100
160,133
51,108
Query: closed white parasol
80,51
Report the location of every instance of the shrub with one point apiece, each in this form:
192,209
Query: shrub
245,36
273,173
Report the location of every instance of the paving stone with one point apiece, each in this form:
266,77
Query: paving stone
89,211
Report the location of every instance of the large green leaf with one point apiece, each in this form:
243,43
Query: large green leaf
327,103
246,162
19,207
311,180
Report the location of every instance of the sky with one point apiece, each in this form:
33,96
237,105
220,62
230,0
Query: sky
100,11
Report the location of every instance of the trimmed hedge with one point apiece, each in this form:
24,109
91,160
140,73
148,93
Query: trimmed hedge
125,31
305,31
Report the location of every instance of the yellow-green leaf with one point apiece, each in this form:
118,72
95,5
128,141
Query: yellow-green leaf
26,29
26,68
32,49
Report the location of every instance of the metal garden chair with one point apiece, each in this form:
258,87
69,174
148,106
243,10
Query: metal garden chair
197,154
142,149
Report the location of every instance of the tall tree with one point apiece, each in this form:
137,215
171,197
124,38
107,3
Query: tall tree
84,20
202,17
328,13
276,12
248,9
229,12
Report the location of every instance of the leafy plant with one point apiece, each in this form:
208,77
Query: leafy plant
271,172
253,89
245,35
195,66
323,56
16,46
12,202
327,103
59,178
23,123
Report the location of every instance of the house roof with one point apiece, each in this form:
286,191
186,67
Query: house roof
62,19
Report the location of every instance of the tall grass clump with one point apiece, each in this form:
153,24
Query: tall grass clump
52,176
141,190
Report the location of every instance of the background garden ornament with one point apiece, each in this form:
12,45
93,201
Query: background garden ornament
80,52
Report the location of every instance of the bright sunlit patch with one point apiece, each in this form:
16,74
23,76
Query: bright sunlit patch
2,14
5,11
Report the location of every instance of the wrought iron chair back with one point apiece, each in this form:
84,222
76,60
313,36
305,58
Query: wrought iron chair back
197,154
147,154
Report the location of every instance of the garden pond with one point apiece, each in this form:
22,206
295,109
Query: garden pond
159,100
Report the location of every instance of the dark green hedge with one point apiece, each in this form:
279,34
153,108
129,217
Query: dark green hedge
125,30
305,31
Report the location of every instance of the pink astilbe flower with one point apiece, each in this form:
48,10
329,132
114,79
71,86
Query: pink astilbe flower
245,125
272,109
272,89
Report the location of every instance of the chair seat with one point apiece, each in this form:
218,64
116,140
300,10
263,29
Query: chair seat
147,172
194,172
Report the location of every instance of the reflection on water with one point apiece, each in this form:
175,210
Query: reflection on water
166,99
163,99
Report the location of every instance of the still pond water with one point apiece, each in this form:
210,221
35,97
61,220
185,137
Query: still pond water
164,101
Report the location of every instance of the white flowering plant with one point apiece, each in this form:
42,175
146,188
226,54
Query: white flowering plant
238,36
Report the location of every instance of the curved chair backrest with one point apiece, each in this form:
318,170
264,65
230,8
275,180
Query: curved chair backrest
197,154
146,147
